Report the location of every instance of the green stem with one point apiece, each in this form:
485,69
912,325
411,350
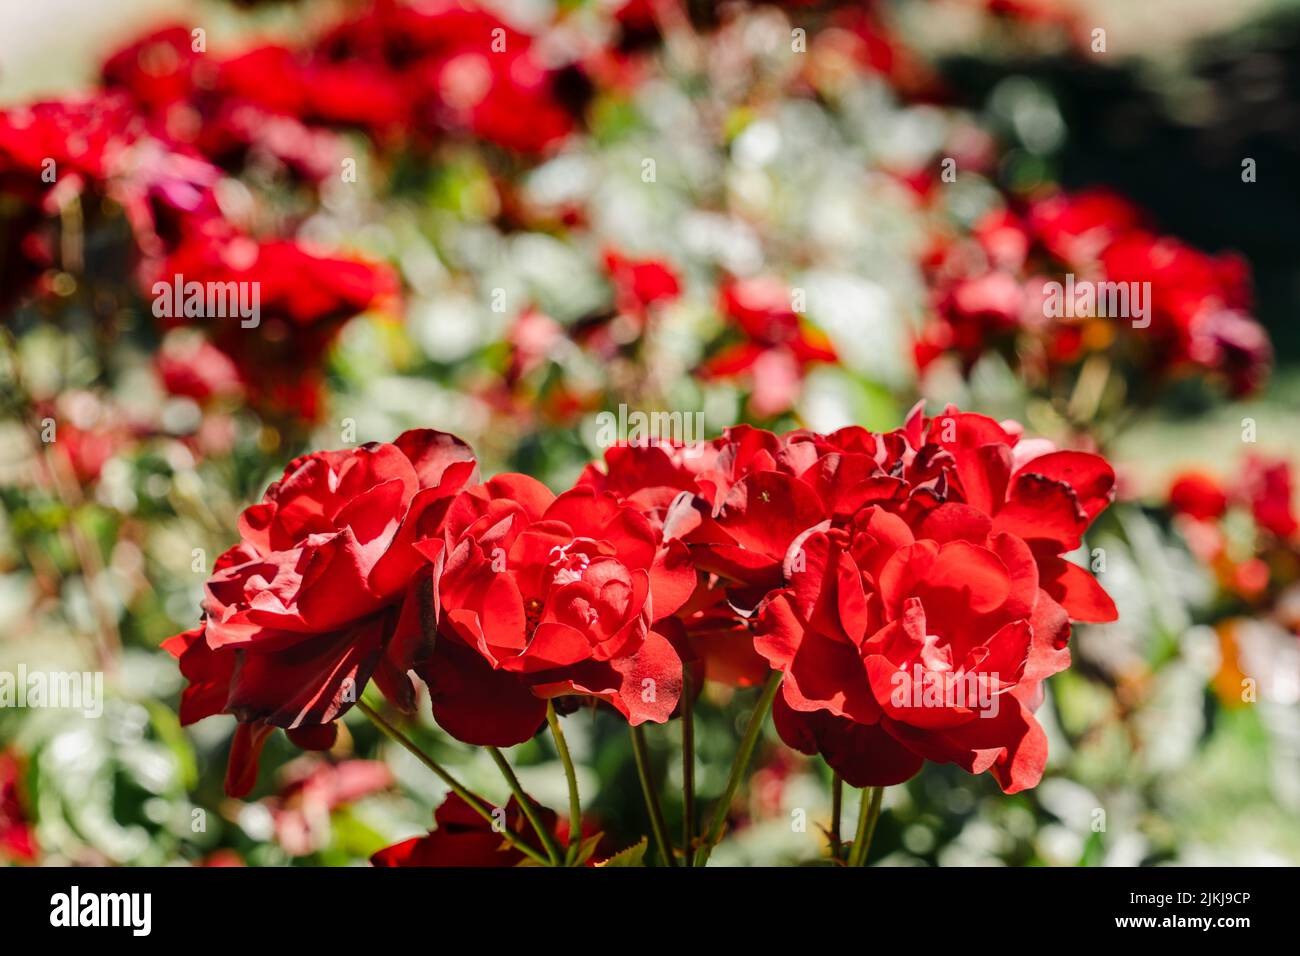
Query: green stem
868,814
575,803
526,804
52,470
657,824
747,744
837,810
688,769
474,802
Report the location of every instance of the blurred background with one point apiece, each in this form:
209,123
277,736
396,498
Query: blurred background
527,275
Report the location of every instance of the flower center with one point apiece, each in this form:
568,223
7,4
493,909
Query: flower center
568,567
533,608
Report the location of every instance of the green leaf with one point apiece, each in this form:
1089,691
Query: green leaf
632,856
587,848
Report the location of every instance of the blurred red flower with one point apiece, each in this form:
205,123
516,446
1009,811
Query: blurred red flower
990,295
312,790
1267,485
640,283
1198,495
191,367
777,347
17,839
303,298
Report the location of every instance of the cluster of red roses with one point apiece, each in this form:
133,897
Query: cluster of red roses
173,119
874,572
1254,562
57,156
992,292
399,72
766,347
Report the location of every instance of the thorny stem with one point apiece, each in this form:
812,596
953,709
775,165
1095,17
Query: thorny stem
575,802
475,803
527,805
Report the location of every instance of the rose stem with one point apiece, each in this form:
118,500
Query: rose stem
475,803
738,766
575,803
868,814
527,805
688,769
651,800
837,810
108,641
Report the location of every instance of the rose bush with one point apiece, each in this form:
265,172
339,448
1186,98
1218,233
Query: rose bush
910,589
454,215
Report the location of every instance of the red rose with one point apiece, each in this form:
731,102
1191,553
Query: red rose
50,153
987,296
297,286
80,136
916,561
1198,304
451,67
544,596
777,347
1268,488
17,840
896,649
1077,227
463,838
1185,283
640,283
303,299
1199,496
684,490
158,70
321,593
